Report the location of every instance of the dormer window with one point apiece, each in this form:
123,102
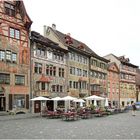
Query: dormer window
9,9
68,39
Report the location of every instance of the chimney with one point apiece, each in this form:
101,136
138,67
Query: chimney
44,30
53,26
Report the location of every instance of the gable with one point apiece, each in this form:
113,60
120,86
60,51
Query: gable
113,67
52,36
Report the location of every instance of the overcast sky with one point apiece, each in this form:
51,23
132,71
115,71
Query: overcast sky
106,26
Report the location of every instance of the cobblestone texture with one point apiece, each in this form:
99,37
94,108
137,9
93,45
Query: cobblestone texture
119,126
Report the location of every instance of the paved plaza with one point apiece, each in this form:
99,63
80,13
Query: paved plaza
119,126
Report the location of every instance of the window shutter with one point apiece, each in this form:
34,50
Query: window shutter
27,101
10,101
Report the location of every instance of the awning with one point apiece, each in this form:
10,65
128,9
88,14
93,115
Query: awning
44,79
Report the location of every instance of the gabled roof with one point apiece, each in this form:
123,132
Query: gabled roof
75,45
35,36
23,13
123,60
112,64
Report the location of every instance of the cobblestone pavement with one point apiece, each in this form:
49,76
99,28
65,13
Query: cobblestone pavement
119,126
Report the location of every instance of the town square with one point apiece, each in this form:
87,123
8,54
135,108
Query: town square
55,84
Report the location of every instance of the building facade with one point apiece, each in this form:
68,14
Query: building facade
98,75
14,56
127,80
48,69
77,62
138,86
113,84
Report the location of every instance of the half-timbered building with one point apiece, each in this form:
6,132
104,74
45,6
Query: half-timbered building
14,56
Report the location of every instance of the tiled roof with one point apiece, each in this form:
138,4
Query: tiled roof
22,10
45,41
77,44
124,60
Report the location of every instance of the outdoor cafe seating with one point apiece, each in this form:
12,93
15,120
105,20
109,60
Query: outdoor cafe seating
70,115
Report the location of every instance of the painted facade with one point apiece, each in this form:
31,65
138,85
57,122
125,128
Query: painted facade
127,79
113,85
77,62
48,69
80,66
14,56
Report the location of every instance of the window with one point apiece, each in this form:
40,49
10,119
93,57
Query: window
38,68
4,78
9,9
72,70
58,56
53,88
8,55
2,55
61,88
50,70
42,86
14,57
14,33
57,88
61,72
85,73
19,80
70,84
40,51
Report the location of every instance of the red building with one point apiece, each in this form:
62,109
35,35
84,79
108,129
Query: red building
14,56
113,84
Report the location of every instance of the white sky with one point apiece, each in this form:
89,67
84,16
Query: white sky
106,26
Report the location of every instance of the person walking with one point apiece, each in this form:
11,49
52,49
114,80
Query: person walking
133,109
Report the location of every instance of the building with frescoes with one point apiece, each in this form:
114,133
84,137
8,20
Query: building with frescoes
80,65
77,61
48,69
127,82
14,56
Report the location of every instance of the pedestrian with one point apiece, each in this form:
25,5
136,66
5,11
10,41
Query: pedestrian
133,109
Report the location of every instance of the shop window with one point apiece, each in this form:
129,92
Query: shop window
19,101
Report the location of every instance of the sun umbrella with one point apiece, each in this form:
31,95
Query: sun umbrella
95,102
94,97
40,98
79,100
67,100
106,102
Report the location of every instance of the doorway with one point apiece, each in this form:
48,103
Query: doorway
2,104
